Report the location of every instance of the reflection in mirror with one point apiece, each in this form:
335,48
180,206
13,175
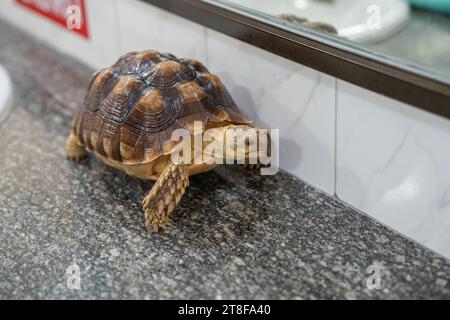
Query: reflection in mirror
408,33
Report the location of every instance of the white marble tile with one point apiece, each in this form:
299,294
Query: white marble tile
278,93
101,49
393,162
143,26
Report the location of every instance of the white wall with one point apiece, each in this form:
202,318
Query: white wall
393,162
383,157
102,48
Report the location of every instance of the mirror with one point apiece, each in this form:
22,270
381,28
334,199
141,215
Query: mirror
412,34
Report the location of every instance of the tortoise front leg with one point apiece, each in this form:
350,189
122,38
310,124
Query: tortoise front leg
165,196
74,150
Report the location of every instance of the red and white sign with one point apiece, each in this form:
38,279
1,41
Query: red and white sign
71,14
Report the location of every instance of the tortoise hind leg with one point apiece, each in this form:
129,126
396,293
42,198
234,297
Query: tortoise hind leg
74,150
165,196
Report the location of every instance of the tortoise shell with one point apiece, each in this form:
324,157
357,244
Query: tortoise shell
132,108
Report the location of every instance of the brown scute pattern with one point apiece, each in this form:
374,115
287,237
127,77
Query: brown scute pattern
125,62
103,81
168,73
151,113
194,65
191,92
123,96
132,143
132,108
169,67
211,85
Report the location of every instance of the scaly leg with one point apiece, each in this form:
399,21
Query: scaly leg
165,196
74,150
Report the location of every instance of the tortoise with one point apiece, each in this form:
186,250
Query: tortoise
317,26
130,111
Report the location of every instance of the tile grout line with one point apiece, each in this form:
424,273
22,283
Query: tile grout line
118,28
335,135
205,43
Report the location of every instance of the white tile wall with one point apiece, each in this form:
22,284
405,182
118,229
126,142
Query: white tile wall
144,27
278,93
100,50
393,162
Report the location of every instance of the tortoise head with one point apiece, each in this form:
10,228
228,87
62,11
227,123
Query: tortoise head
246,144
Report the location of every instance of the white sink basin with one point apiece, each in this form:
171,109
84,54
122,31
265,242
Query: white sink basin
357,20
5,93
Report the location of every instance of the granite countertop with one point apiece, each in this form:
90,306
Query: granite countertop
236,234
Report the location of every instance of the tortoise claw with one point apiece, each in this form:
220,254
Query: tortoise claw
74,150
156,223
252,166
76,159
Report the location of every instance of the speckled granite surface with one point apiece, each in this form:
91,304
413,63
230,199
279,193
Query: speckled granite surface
236,234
